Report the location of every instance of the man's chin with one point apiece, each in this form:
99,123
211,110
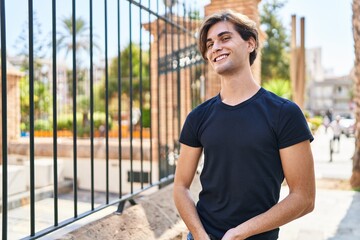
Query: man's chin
221,70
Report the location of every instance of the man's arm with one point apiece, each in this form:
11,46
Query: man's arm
298,166
185,171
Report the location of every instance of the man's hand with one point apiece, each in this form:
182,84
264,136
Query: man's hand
232,234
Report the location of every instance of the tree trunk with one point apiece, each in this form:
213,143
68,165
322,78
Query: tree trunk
355,178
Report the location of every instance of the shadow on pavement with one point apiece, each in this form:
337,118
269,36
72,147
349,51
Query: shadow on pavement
349,227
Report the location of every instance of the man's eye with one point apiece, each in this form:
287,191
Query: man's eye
209,45
225,38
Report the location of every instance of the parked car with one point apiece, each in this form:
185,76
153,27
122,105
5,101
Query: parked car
347,126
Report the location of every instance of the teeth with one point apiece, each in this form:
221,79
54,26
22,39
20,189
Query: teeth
220,58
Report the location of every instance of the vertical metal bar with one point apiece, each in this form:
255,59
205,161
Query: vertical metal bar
173,91
31,112
141,105
74,104
55,162
186,70
92,175
150,87
4,122
106,106
166,96
131,103
119,99
158,89
191,67
178,79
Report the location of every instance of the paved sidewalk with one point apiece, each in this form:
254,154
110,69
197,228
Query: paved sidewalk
341,165
336,214
335,217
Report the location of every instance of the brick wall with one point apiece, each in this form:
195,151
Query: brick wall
164,86
13,107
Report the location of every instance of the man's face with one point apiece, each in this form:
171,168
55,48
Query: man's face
226,51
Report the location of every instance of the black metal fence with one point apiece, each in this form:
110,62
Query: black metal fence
103,94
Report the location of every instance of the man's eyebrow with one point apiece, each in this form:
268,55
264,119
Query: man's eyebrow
219,35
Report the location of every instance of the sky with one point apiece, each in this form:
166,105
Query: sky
327,24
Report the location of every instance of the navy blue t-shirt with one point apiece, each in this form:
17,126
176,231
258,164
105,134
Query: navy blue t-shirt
242,171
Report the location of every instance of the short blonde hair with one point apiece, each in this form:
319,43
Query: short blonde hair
242,24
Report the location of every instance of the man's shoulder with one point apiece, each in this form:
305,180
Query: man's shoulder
278,102
274,98
206,105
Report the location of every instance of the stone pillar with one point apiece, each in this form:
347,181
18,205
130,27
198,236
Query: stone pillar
164,104
13,106
249,8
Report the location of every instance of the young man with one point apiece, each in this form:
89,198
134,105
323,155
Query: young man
252,140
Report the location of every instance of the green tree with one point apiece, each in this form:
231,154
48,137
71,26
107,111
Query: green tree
125,73
275,57
22,45
125,80
280,87
64,40
42,101
42,96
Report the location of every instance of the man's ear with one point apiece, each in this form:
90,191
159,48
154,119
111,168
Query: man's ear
251,44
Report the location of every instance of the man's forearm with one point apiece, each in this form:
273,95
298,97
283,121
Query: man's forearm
186,207
292,207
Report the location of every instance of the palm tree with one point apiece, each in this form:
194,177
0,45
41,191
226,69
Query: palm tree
355,178
82,35
65,43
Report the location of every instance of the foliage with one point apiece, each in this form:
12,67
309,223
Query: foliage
64,40
275,52
170,3
42,95
65,122
315,122
41,124
125,69
22,45
280,87
146,118
194,15
140,69
42,100
80,81
65,43
83,103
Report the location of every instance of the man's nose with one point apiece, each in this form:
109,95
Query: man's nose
216,46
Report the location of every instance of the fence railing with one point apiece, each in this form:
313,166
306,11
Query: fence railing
118,77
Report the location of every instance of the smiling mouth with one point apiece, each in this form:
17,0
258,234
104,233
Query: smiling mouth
221,57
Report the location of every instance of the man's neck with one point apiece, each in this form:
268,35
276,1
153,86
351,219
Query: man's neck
238,88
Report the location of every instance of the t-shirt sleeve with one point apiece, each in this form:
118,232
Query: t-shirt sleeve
292,126
188,135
